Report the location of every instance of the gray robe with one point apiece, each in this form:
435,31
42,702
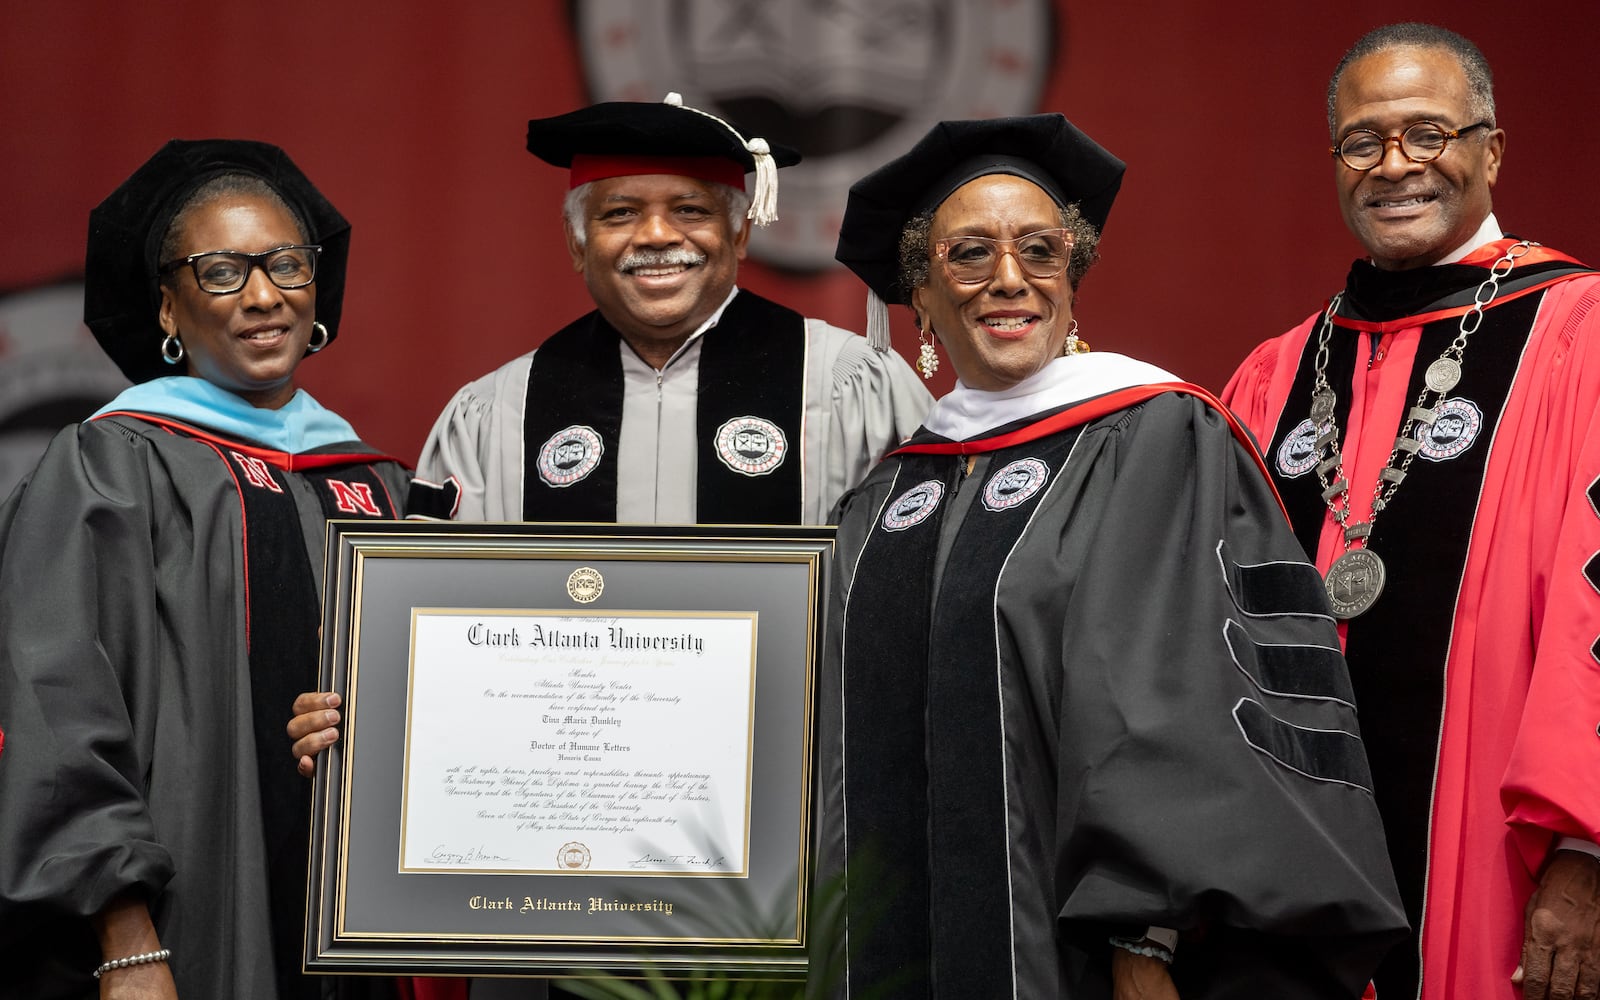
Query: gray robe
857,404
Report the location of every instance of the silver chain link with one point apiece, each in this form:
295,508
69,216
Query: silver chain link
1422,411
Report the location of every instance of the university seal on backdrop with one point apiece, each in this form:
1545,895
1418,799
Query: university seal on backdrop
1456,424
751,445
913,506
850,83
1298,453
1015,483
570,455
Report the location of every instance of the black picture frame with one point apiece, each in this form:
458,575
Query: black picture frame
367,915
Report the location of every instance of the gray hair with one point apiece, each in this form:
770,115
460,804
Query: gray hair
1480,82
916,249
224,186
734,201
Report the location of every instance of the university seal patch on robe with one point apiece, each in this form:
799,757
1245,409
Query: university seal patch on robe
750,407
752,446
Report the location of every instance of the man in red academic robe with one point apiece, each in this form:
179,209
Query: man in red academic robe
1433,432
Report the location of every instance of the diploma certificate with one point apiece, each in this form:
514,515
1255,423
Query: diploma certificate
557,742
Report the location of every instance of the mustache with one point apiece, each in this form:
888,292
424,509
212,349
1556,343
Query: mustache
674,257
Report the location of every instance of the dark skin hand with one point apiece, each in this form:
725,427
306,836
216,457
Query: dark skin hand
1561,952
124,930
312,728
1138,977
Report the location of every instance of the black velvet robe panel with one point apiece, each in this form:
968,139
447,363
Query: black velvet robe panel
1115,703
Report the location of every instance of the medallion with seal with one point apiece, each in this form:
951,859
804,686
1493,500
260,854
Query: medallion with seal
573,856
585,585
570,455
1297,455
1354,582
853,83
1456,423
751,445
913,506
1015,483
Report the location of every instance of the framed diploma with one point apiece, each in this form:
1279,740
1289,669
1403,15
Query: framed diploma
567,748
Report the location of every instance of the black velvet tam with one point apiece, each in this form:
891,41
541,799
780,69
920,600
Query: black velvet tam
639,128
1045,149
121,282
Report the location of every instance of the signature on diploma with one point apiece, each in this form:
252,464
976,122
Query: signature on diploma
443,855
711,862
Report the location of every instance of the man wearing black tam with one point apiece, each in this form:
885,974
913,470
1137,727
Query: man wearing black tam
1083,727
680,398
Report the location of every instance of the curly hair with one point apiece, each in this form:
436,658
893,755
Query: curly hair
916,249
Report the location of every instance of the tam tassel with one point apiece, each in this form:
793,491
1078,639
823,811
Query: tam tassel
877,323
764,199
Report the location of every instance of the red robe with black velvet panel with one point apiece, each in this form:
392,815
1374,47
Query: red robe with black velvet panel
1478,670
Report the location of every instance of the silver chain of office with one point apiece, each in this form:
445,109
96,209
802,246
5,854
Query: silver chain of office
1355,580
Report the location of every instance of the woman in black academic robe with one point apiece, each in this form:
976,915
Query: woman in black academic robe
159,582
1085,730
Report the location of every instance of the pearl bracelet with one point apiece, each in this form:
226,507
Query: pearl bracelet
159,955
1145,947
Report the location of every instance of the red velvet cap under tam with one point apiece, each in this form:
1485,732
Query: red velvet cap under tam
588,167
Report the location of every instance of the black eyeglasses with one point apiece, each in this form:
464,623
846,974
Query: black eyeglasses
223,272
1421,142
971,259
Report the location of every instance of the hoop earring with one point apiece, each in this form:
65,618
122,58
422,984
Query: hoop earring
927,359
172,349
319,338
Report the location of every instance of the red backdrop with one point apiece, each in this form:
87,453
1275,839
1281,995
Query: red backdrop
410,117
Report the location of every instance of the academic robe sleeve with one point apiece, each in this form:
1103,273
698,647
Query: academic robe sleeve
1552,782
873,403
78,620
477,442
1260,385
1211,776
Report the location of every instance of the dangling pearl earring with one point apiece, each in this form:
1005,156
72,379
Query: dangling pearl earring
927,359
1073,345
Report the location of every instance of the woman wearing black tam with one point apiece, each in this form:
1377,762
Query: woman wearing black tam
159,581
1085,727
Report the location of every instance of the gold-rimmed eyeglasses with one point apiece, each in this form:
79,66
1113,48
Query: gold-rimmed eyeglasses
971,259
223,272
1420,142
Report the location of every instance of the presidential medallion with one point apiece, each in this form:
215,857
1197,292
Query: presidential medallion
1322,407
1443,375
1354,582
